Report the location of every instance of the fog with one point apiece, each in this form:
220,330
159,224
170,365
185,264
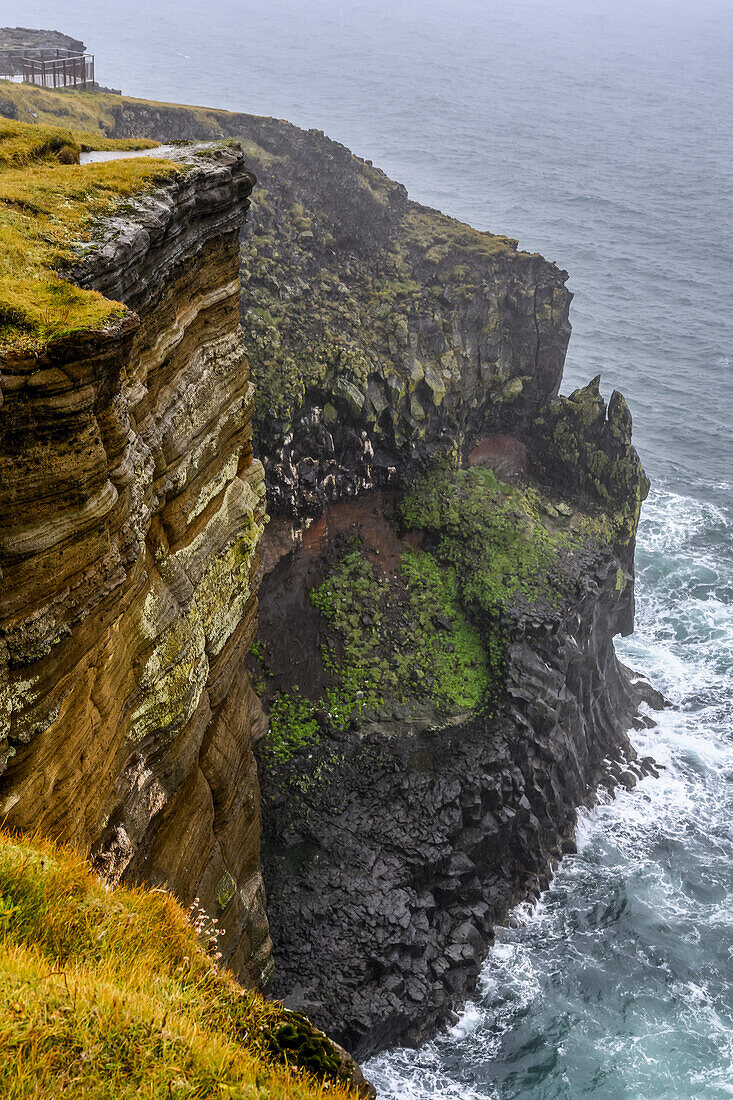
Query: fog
320,62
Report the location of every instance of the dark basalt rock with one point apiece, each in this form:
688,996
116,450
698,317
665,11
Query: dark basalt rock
392,850
391,856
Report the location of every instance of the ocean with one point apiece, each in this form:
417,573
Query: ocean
601,134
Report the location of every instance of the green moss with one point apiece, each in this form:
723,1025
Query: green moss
401,640
587,453
499,539
452,243
299,1044
293,724
430,639
456,657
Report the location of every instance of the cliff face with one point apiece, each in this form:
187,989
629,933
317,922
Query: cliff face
437,661
131,511
401,824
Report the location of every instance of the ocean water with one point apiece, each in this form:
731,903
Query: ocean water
599,132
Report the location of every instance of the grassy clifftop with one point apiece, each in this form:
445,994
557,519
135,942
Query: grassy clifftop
111,993
48,206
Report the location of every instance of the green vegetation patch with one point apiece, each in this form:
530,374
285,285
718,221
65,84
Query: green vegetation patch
110,994
428,643
400,640
443,238
49,204
293,724
508,554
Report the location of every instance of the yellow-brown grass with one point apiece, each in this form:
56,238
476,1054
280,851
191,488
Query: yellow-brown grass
108,994
49,204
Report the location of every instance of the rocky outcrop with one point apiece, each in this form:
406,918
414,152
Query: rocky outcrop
396,840
131,509
26,38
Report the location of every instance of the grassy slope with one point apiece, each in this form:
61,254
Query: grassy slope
110,994
48,206
90,112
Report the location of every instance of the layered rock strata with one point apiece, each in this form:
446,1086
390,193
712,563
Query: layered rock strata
131,509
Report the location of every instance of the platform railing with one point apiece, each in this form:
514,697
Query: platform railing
59,72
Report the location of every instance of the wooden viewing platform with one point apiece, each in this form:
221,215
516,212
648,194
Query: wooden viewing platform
49,68
75,71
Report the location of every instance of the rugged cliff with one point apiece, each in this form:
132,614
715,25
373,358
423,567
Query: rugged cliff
381,334
425,775
436,654
131,510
